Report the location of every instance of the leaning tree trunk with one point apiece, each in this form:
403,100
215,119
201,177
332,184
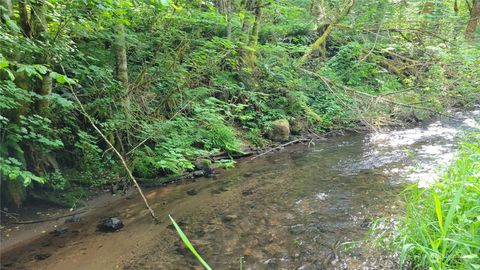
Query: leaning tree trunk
317,45
320,23
473,21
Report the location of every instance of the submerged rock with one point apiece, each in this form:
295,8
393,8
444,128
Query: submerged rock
42,256
229,218
111,225
59,231
192,192
205,165
280,130
73,219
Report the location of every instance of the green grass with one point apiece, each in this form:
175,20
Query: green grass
192,249
441,229
189,245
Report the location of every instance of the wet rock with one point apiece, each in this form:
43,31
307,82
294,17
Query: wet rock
217,171
46,244
280,130
366,223
42,256
247,174
205,165
248,191
59,231
192,192
73,219
111,225
255,254
198,173
297,229
275,250
229,218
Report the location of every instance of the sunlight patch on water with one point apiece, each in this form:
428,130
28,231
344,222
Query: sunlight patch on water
403,138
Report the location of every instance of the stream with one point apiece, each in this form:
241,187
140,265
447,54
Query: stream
293,209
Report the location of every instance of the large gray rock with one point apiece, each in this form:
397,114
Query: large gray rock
280,130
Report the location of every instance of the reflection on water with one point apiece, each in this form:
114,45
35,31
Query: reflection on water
292,210
288,210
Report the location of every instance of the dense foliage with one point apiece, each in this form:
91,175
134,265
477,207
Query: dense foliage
170,81
442,226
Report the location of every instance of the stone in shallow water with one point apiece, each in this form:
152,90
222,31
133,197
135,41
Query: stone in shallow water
111,225
41,257
229,218
59,231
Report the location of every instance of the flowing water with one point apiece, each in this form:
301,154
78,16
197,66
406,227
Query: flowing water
287,210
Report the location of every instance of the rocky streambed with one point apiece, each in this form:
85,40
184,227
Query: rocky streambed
293,209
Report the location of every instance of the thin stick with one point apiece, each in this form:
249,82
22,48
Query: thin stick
130,175
48,219
277,147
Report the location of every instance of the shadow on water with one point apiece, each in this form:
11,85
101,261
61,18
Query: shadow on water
288,210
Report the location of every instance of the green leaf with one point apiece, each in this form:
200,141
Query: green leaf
62,79
188,244
438,210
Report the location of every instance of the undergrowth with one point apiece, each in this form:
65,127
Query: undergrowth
441,229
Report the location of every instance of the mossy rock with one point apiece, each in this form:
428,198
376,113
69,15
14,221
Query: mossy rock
279,131
297,126
204,164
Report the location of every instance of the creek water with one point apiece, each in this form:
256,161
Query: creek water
292,209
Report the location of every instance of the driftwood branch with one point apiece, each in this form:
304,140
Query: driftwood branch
280,146
48,219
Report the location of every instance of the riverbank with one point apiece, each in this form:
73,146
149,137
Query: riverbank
330,193
441,229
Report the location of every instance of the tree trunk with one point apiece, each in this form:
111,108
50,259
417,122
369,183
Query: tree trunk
473,21
229,20
121,74
320,23
455,7
247,20
253,37
24,18
6,9
318,12
39,32
121,68
38,19
322,39
221,6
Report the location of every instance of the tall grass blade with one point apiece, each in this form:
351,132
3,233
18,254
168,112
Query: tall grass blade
188,244
438,211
